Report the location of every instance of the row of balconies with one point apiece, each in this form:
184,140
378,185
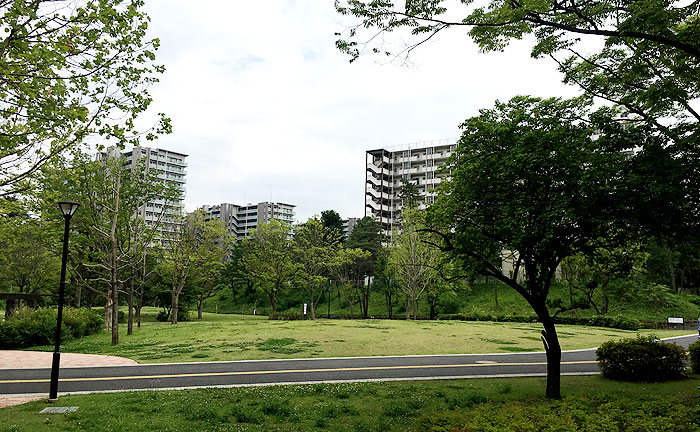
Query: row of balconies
422,157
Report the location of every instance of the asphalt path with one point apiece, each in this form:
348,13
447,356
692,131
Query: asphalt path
31,382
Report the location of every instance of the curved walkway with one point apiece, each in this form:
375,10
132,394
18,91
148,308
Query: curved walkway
42,359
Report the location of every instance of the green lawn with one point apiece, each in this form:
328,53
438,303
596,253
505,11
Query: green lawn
245,337
494,405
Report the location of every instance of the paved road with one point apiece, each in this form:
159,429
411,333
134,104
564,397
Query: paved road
221,374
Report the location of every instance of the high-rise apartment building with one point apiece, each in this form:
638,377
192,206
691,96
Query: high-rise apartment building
417,163
348,225
171,167
241,219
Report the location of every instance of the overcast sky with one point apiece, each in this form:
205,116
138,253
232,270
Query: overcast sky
268,109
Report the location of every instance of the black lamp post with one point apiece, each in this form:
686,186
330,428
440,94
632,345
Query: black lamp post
68,208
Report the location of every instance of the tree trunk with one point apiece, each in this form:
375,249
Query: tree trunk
495,293
389,306
604,307
130,320
115,314
175,297
139,305
408,311
78,293
365,296
432,309
200,306
360,293
108,312
273,302
415,309
312,314
553,350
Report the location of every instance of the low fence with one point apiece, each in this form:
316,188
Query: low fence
686,325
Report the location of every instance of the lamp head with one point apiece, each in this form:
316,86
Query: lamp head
68,208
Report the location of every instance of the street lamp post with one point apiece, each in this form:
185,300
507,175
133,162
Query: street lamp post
67,208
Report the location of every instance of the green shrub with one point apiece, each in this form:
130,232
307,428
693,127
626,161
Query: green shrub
81,321
641,359
694,350
182,315
27,327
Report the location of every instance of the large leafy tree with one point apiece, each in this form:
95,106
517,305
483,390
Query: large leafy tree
414,261
528,178
70,70
333,222
111,240
196,246
366,235
599,275
27,263
348,270
649,62
315,250
268,259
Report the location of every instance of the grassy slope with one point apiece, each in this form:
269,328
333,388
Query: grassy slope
243,337
589,404
480,299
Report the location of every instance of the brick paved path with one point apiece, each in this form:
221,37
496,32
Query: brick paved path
40,359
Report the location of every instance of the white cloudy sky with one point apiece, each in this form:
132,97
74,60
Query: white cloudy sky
268,109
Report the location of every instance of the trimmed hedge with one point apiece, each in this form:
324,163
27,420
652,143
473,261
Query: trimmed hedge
27,327
641,359
694,350
618,322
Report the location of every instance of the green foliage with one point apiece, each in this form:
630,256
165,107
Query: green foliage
27,264
530,186
414,260
641,359
409,195
694,353
332,221
268,259
196,250
183,315
28,328
71,70
315,250
648,63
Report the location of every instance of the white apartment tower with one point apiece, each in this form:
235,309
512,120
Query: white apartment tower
241,219
417,163
171,167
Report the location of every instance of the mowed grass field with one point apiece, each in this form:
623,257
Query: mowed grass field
221,337
590,404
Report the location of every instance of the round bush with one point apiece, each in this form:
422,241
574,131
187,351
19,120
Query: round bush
641,359
694,350
27,327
